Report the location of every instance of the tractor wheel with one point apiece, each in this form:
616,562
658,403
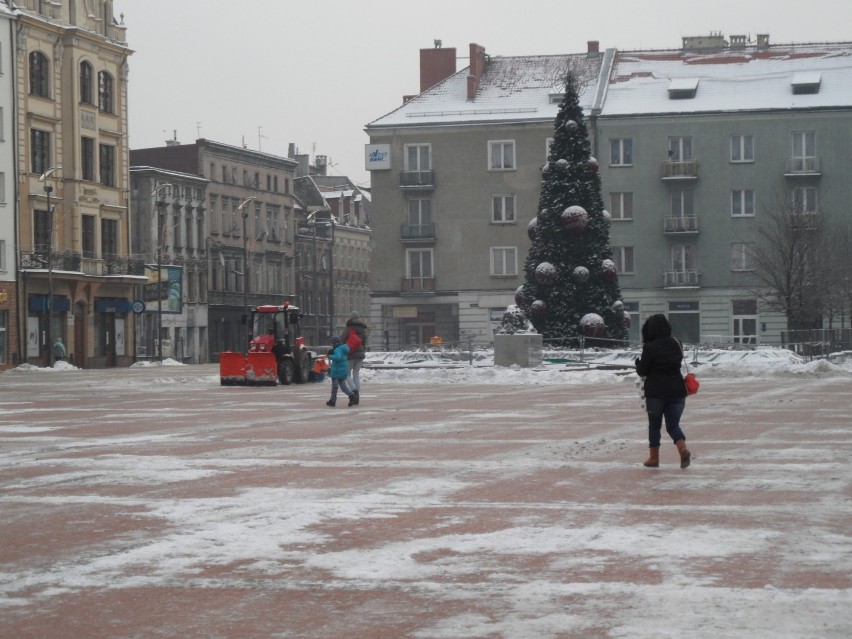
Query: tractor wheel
303,367
286,371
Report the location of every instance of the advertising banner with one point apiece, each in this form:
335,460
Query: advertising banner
167,286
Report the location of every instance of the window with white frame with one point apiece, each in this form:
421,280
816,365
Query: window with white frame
418,264
623,258
742,202
681,203
740,256
621,152
2,187
418,157
804,151
504,261
3,337
621,205
744,321
3,255
683,257
680,149
805,200
742,148
502,209
501,155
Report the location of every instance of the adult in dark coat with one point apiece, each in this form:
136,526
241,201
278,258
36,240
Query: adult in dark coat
356,355
665,394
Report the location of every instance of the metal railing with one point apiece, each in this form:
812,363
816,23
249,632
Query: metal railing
417,284
802,166
417,231
419,179
673,279
685,169
681,224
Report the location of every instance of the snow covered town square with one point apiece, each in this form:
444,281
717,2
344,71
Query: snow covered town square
460,501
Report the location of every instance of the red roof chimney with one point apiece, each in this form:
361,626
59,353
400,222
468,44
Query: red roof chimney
435,65
477,68
593,46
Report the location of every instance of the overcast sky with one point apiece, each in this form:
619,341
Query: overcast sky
314,73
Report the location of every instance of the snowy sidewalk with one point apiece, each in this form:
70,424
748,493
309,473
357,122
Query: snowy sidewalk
155,503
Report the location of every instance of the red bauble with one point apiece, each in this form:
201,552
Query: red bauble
538,308
592,325
627,320
593,165
545,273
574,219
610,273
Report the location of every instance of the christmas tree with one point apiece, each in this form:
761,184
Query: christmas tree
571,286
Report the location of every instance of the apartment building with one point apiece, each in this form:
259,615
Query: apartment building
9,354
693,143
455,175
77,276
248,241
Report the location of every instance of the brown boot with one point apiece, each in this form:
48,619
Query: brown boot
685,455
654,458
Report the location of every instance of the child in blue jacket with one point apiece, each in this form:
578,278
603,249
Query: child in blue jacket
339,372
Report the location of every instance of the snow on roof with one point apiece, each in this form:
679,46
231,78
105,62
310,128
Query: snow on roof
730,80
518,88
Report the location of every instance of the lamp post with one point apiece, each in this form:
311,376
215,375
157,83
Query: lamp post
160,205
242,208
48,189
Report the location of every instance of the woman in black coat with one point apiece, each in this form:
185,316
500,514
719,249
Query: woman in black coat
665,394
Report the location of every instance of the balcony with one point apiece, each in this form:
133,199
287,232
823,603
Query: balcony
681,224
687,170
417,232
60,260
802,167
804,221
681,279
417,180
417,285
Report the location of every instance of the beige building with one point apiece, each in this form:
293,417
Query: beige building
77,274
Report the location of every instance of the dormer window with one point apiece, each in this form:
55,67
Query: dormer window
683,88
806,82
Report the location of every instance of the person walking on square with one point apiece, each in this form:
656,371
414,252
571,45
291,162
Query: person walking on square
355,326
339,371
665,394
59,352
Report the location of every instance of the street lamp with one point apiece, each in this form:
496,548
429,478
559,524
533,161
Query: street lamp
48,189
242,207
160,205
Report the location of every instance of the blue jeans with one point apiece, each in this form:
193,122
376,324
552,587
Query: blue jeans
344,386
671,409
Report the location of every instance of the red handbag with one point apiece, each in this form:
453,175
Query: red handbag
691,383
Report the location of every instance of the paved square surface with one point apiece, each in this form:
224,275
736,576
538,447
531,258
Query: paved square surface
155,503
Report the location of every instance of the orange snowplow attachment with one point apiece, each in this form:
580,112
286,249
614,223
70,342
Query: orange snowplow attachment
261,368
232,368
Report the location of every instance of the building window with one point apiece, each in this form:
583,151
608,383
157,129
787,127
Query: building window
681,203
418,157
39,151
804,151
3,267
86,77
87,159
504,261
740,256
39,75
419,214
680,149
623,258
109,237
3,337
501,155
419,264
105,93
275,184
683,258
106,154
547,144
805,200
224,174
502,209
214,213
212,172
41,230
621,152
621,206
742,148
88,236
2,187
742,202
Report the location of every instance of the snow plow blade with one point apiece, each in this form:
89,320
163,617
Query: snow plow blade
261,368
232,368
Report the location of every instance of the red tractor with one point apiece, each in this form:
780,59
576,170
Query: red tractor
276,352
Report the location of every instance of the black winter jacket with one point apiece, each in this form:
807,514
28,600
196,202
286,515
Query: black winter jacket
660,364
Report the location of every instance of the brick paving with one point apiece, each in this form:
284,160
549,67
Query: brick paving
154,503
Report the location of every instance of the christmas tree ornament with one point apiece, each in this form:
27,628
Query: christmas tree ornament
520,295
545,273
562,165
571,126
593,165
593,325
618,306
538,308
627,320
580,275
574,218
606,216
610,273
545,170
531,227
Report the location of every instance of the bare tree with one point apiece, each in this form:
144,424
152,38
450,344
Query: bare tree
789,261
